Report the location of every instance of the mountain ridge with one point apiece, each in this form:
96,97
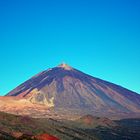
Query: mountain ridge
68,88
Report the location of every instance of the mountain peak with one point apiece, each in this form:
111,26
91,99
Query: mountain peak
65,66
66,88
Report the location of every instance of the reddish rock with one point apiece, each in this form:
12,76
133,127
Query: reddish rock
45,137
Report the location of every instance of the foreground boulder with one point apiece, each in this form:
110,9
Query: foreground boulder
45,137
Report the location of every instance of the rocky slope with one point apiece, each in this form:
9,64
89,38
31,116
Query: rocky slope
67,89
88,127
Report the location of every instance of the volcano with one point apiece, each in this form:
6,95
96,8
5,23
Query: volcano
66,88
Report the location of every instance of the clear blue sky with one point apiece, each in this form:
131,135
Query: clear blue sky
98,37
